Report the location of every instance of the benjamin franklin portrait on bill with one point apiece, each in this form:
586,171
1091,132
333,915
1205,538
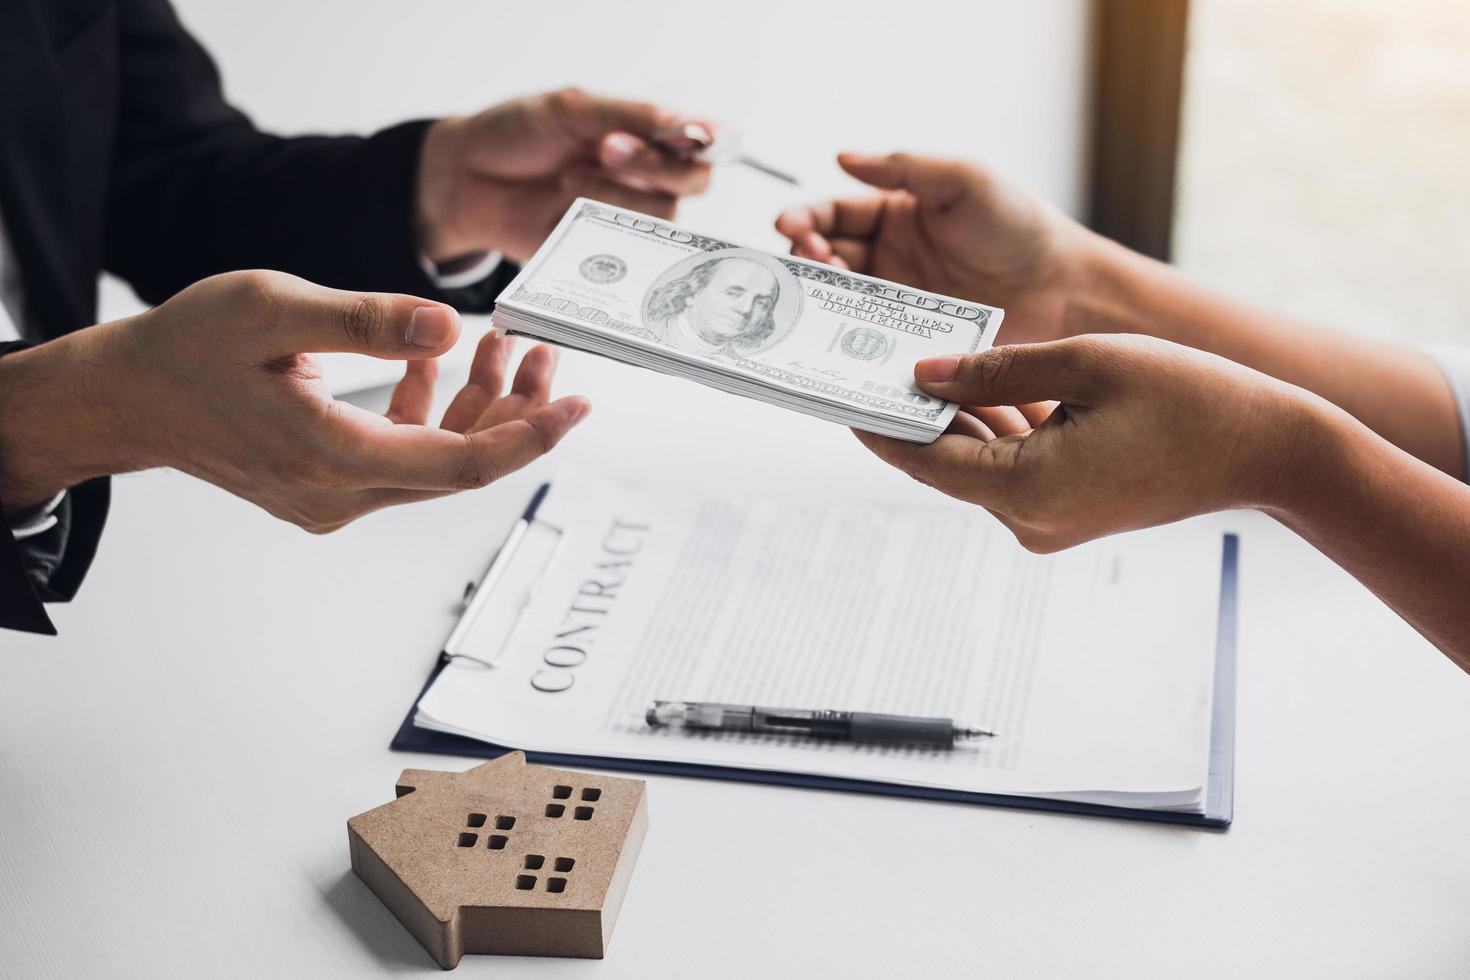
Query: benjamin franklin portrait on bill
721,301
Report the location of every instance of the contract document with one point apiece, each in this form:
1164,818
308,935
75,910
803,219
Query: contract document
1094,667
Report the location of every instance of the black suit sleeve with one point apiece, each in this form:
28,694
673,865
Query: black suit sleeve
196,189
49,567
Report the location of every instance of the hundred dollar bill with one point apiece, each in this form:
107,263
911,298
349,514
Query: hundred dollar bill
804,336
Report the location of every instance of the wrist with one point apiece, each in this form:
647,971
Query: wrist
441,234
59,423
1099,286
1120,291
1312,445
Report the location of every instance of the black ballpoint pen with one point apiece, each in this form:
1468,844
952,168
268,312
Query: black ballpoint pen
845,726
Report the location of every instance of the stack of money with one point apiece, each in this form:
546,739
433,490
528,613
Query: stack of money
804,336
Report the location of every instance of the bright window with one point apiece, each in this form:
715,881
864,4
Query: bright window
1325,161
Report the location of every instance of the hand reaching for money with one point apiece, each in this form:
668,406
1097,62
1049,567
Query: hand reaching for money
951,228
499,180
219,382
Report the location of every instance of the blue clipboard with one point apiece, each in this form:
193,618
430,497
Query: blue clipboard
1219,796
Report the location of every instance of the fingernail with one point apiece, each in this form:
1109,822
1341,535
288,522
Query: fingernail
579,410
619,149
937,368
430,327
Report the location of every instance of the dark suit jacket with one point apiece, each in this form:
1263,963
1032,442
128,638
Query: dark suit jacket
119,152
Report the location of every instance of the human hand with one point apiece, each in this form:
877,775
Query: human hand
219,382
951,228
1146,432
500,180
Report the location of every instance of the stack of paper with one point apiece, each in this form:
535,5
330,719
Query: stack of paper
1095,667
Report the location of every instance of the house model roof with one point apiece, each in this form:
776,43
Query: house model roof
503,858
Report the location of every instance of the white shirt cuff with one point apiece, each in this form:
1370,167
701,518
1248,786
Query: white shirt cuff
466,277
35,520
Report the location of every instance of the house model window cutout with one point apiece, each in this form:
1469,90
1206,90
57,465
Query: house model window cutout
503,858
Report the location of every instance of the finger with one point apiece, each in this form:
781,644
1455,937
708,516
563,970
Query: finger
1037,412
956,464
631,158
533,377
1003,420
484,385
589,116
845,253
796,223
812,246
379,497
530,390
608,191
850,252
413,395
852,218
298,317
410,457
858,217
937,182
1015,373
965,424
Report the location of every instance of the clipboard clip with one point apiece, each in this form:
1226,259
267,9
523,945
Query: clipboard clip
478,595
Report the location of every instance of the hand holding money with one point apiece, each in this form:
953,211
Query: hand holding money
1102,463
812,338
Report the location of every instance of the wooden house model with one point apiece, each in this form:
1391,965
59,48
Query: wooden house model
503,858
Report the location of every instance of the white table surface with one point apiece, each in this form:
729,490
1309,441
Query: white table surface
177,768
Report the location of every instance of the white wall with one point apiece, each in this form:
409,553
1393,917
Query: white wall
1001,82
